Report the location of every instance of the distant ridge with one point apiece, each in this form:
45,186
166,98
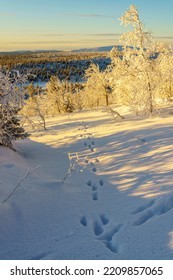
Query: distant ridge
28,52
98,49
15,52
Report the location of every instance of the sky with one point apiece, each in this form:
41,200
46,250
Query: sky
75,24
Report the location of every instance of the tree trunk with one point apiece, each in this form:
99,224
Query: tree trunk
150,98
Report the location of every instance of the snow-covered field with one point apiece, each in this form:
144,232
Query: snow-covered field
89,188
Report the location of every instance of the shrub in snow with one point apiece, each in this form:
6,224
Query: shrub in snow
11,100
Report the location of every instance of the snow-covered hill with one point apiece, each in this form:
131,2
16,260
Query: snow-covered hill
97,49
89,188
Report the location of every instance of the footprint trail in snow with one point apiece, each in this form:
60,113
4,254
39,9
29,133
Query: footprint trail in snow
102,232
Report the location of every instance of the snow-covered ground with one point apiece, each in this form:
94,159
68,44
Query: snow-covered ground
117,203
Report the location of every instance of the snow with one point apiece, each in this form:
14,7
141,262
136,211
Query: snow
117,203
41,84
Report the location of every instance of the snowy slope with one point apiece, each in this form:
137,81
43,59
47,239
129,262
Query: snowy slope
117,203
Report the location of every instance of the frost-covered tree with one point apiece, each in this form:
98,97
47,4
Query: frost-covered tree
54,95
11,101
58,97
34,110
165,70
136,75
97,88
138,37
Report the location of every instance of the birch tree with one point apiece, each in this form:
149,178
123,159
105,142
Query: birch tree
136,75
34,110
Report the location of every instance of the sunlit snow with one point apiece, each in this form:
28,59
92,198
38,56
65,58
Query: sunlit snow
96,190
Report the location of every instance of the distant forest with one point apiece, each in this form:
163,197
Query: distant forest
41,66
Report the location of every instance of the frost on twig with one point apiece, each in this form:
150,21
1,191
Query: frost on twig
113,114
73,159
29,171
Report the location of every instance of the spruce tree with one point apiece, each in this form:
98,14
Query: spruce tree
11,99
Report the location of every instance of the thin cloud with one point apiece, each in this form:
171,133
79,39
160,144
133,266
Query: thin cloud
89,15
50,35
106,34
95,15
61,42
79,35
40,42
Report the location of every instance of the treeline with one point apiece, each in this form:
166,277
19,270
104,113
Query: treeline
12,60
40,67
68,70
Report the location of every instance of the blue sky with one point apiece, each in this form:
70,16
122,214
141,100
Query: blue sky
72,24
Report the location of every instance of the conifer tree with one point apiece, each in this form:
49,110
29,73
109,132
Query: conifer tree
11,100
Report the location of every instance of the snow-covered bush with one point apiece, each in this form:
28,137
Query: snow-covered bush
11,101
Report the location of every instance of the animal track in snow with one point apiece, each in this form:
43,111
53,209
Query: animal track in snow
97,224
95,196
91,148
103,235
89,183
104,219
94,188
97,227
94,169
101,182
83,221
107,238
90,143
155,207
